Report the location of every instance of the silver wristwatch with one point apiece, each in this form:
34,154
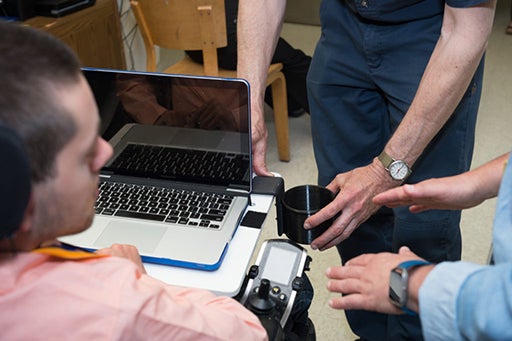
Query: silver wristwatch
397,169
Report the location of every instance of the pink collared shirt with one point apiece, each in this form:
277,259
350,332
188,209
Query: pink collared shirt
43,297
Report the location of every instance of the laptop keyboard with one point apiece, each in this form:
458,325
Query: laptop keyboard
180,164
183,207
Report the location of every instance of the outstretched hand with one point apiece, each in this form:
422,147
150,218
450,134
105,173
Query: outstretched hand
449,193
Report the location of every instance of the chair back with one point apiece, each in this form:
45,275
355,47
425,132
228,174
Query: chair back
182,25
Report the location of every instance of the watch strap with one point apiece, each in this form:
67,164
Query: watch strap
385,159
409,311
411,263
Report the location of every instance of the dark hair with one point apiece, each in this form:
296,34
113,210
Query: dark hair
33,67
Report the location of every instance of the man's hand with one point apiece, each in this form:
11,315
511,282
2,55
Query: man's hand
355,190
364,282
129,252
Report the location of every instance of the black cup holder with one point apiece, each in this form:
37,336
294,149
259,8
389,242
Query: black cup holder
298,203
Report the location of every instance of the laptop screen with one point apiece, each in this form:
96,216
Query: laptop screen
211,140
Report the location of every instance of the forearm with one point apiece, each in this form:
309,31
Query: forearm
486,179
416,278
259,25
450,69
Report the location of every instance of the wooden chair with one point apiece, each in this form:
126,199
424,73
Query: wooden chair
201,25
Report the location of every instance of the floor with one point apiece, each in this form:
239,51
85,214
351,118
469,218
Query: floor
493,138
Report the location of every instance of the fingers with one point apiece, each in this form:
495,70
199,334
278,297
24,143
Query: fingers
120,250
426,195
347,286
324,214
399,196
363,283
129,252
346,280
364,302
355,190
341,228
259,164
104,251
405,251
258,159
341,272
259,145
337,232
348,302
333,186
333,236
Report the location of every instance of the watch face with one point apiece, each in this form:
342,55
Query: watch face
398,170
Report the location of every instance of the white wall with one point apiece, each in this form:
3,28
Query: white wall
133,43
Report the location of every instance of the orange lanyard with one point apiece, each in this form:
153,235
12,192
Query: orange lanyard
63,253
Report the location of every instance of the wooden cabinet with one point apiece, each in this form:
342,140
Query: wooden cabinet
303,12
94,33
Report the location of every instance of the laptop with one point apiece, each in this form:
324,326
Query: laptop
181,175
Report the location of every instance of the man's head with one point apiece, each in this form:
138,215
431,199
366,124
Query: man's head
46,100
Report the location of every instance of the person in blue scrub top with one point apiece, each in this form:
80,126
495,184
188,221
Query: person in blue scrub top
455,300
393,89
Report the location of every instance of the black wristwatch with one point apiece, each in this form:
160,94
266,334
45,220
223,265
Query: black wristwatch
398,170
399,283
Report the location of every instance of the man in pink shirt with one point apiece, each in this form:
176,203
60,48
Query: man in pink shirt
48,110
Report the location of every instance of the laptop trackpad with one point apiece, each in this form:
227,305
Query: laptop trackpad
130,233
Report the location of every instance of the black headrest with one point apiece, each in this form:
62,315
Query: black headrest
15,182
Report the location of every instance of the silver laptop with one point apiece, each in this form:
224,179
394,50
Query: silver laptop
180,178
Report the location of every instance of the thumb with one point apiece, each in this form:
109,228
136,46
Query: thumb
404,250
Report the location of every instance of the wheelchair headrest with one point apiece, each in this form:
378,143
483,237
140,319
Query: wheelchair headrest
15,184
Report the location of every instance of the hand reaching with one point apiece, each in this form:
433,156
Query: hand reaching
450,193
129,252
355,190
